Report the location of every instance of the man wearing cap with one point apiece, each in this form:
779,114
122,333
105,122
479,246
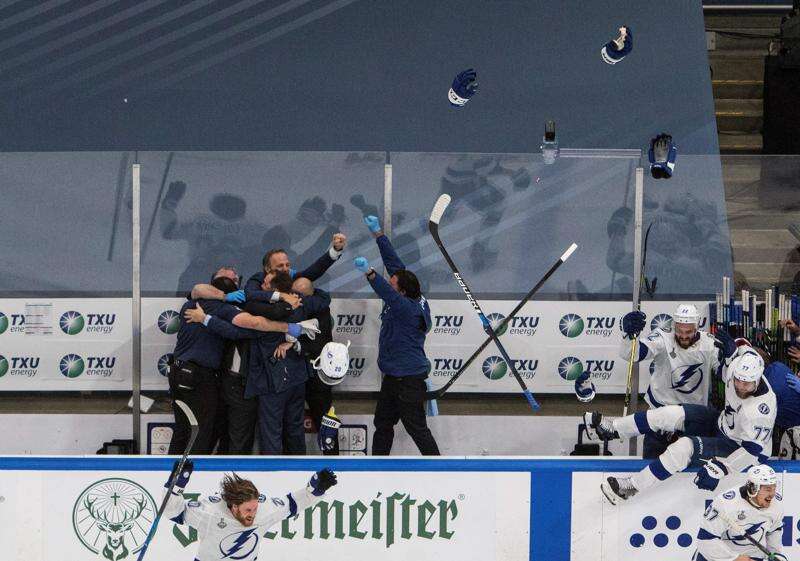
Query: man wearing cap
683,360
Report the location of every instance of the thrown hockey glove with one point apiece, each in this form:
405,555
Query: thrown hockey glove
633,323
465,85
235,297
617,49
726,345
372,223
710,474
328,433
182,478
584,388
321,482
662,155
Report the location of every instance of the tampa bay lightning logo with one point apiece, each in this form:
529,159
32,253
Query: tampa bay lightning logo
755,531
730,417
688,380
239,545
764,408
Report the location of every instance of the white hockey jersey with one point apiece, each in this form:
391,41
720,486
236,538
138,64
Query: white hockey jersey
748,422
678,375
718,541
222,537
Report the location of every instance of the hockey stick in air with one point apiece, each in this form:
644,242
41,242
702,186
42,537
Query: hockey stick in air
635,342
433,226
438,393
194,429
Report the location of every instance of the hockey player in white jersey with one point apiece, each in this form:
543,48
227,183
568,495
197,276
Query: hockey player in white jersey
230,523
683,360
753,510
727,441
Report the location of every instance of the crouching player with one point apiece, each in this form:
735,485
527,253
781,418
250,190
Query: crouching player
722,442
741,519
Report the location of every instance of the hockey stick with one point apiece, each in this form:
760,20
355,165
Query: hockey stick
733,525
158,203
194,429
437,393
433,226
635,341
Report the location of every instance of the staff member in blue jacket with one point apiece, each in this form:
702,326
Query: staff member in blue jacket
405,320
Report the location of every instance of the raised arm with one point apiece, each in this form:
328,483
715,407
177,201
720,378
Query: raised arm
323,263
389,256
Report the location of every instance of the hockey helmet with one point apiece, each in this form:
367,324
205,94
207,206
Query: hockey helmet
748,367
759,475
332,363
686,313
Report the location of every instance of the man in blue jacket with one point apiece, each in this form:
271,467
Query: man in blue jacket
405,321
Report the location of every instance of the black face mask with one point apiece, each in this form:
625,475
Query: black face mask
225,284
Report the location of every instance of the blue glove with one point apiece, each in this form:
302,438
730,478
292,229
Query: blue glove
617,49
726,345
633,323
584,388
328,433
321,482
295,330
372,223
361,264
793,382
465,85
710,475
235,297
662,156
182,479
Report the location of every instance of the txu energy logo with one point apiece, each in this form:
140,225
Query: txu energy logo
169,321
163,364
519,325
350,323
356,366
447,324
3,323
71,323
662,322
111,518
446,367
495,320
569,368
25,366
16,323
571,325
71,365
386,518
494,367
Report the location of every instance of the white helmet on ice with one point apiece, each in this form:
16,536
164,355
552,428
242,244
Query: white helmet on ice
759,475
748,367
686,313
332,363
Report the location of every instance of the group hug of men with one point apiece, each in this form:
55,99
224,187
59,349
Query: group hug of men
243,359
251,357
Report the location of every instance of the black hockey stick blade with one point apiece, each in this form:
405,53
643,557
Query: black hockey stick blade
194,428
438,393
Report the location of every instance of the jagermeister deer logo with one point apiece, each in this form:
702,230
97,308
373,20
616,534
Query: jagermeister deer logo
112,517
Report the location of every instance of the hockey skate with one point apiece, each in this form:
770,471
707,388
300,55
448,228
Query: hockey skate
617,489
598,428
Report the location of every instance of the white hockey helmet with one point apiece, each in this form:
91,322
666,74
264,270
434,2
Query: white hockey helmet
332,363
686,313
747,367
759,475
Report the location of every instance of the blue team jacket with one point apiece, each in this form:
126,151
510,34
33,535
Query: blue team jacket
788,400
404,322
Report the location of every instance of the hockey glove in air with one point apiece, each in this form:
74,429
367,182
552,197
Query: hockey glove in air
465,85
710,474
633,323
617,49
662,156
